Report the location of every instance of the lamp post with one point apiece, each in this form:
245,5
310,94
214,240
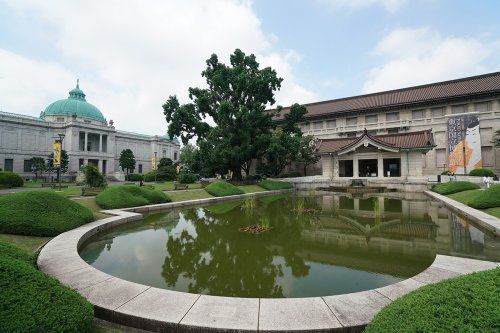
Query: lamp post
155,165
60,138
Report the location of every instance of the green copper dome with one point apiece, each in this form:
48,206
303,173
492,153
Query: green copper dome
168,137
74,104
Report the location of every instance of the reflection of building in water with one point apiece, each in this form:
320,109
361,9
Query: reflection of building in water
399,225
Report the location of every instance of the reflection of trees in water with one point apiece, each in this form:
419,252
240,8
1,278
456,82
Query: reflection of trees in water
223,261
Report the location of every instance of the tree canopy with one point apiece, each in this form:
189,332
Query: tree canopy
235,101
127,161
64,162
37,166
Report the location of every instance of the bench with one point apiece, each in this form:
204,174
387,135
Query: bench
178,186
5,186
128,183
56,186
91,191
47,184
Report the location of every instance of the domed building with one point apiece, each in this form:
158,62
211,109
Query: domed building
88,138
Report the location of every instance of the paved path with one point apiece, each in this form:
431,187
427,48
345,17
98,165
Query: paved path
155,309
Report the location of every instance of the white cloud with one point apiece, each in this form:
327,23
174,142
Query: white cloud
389,5
419,56
131,56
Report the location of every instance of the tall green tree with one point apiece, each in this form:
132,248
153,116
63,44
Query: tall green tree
235,100
190,157
37,166
307,152
127,161
496,138
64,162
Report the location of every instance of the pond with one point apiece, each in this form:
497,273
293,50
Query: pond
309,245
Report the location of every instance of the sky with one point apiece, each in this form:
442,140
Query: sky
131,55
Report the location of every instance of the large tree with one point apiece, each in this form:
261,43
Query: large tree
127,161
235,101
37,166
307,152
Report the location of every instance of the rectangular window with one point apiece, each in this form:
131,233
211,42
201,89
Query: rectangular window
140,168
87,121
417,114
331,123
487,155
27,166
482,107
393,131
437,112
441,158
459,108
392,116
164,152
8,165
80,162
371,119
318,125
60,119
175,156
351,134
353,121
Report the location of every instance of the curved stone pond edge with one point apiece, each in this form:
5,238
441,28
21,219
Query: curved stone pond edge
162,310
484,220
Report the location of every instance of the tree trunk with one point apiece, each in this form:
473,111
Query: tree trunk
246,167
236,173
305,170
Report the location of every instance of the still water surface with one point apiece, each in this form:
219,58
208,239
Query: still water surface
317,245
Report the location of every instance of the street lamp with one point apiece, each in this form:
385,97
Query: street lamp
60,138
155,165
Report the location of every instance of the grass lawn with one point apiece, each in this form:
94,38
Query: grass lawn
251,188
90,203
27,243
466,196
188,195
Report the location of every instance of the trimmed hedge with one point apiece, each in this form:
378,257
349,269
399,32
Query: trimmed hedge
187,177
134,177
292,174
454,187
12,251
481,172
275,185
11,179
488,198
40,213
31,301
129,196
222,189
470,303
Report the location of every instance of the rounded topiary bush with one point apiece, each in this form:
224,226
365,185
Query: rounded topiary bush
275,185
31,301
482,172
222,189
41,213
470,303
135,177
454,187
9,250
488,198
130,196
11,179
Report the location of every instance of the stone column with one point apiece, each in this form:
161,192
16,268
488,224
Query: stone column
326,163
100,143
380,166
335,173
355,166
86,141
381,206
356,205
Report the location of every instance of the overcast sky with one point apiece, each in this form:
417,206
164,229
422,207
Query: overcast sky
131,55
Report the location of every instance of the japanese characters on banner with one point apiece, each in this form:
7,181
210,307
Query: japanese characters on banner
463,132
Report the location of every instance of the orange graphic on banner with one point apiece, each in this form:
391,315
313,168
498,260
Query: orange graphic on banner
456,158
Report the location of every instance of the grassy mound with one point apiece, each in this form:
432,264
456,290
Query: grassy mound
130,196
40,213
30,301
470,303
11,179
454,187
481,172
222,189
275,185
487,199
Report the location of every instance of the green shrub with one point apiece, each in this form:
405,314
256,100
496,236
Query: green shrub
275,185
130,196
31,301
134,177
187,177
446,173
12,251
11,179
163,173
482,172
291,174
454,187
222,189
488,198
93,177
470,303
40,213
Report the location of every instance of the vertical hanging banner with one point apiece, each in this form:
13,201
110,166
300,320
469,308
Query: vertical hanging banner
464,144
57,153
153,162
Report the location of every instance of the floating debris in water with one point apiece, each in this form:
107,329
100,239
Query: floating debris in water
254,229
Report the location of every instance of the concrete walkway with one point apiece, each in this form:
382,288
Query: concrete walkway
160,310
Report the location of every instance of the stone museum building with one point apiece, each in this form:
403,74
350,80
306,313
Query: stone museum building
88,138
411,132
